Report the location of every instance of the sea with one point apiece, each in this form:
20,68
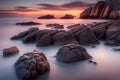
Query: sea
108,61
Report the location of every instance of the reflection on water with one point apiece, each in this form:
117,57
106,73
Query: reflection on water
107,68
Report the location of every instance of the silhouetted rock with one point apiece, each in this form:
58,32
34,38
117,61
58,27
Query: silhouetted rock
116,49
23,34
31,64
47,17
115,14
67,16
63,38
10,51
73,26
86,13
84,35
56,26
113,34
28,23
72,53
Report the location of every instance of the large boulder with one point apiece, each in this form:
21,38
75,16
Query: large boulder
97,9
23,34
31,64
100,29
62,38
72,53
47,39
10,51
115,14
67,16
84,35
86,13
113,34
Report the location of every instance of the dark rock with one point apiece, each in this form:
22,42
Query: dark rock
28,23
67,16
113,34
63,38
106,12
10,51
23,34
56,26
90,61
31,64
86,13
73,26
115,14
47,39
46,17
97,9
93,46
72,53
84,35
116,49
100,29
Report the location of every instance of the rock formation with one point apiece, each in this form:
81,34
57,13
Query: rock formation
67,16
46,17
109,9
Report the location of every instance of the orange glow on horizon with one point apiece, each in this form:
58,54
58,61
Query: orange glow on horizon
57,14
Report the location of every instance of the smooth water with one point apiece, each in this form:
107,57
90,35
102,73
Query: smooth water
108,61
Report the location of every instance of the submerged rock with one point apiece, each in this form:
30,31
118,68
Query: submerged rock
67,16
73,26
23,34
46,17
10,51
84,35
56,26
72,53
28,23
31,64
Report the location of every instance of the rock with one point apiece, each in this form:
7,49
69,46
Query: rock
28,23
67,16
47,39
56,26
10,51
106,12
97,9
84,35
63,38
116,49
46,17
86,13
113,34
32,64
100,29
23,34
90,61
73,26
72,53
115,14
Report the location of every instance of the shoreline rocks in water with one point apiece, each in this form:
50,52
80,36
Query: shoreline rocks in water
32,64
10,51
55,26
28,23
46,17
73,26
72,53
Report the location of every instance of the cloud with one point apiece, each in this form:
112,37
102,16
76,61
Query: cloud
67,6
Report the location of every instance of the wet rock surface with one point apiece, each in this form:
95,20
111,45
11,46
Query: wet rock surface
55,26
10,51
31,64
72,53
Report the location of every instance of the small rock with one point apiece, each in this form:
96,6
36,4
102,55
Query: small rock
10,51
116,49
28,23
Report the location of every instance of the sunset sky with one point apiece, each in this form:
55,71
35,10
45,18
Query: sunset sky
34,8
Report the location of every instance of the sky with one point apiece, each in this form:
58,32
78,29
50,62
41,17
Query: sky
35,8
